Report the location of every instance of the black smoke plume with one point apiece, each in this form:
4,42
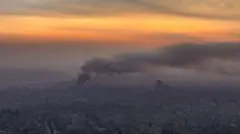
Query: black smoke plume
177,56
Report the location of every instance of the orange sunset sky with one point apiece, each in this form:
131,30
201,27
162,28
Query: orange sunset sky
137,22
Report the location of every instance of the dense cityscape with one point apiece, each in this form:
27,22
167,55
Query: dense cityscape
82,110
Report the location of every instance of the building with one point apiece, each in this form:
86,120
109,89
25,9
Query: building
95,124
52,127
78,122
160,85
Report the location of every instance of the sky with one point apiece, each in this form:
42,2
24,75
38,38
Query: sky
132,23
66,33
178,41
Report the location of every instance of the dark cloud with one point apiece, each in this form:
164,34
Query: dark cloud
203,9
195,56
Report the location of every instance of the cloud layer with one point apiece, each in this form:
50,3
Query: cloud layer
222,9
208,57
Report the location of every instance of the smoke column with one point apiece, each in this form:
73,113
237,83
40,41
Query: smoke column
179,56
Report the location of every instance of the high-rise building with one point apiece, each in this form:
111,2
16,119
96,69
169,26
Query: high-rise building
51,126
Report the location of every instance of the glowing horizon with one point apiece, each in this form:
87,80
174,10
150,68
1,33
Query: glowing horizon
114,22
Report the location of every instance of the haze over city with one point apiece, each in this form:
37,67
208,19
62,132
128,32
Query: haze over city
119,66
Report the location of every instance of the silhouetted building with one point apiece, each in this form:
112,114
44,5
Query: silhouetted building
52,127
119,131
160,85
96,125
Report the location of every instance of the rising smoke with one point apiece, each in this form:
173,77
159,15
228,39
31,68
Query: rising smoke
194,56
